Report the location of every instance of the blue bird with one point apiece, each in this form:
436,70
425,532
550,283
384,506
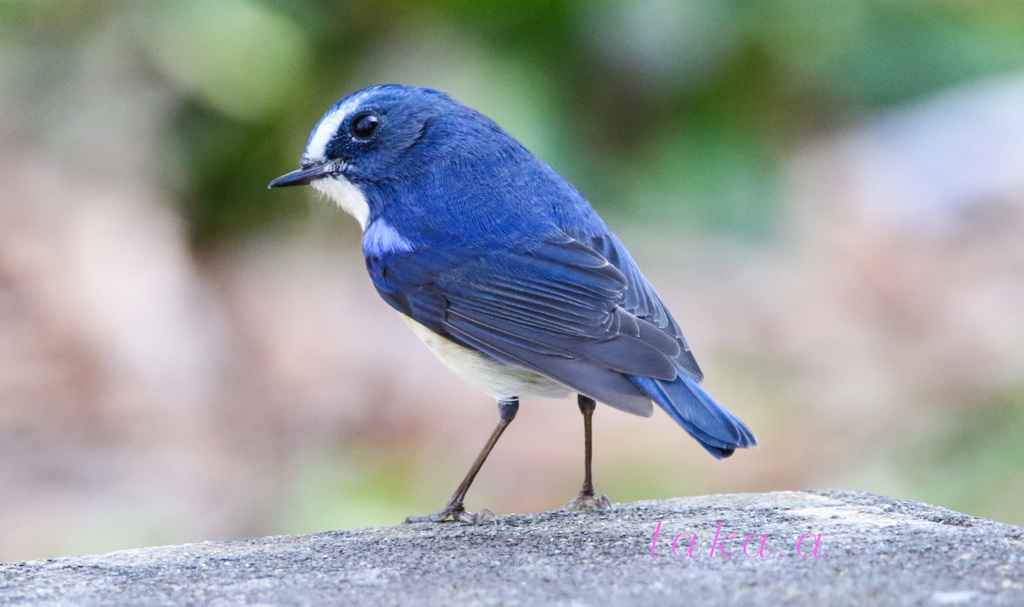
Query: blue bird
504,270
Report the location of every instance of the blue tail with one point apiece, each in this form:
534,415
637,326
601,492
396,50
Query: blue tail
717,430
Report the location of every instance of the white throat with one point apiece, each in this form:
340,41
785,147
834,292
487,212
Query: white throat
346,195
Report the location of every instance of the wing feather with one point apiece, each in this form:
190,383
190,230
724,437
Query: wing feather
556,307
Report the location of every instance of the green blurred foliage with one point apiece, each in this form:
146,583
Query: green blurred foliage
668,112
972,463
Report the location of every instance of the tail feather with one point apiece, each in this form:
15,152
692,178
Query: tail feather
715,428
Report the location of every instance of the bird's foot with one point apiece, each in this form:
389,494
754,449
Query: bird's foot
456,512
589,501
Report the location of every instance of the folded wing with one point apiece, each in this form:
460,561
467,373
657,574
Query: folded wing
575,309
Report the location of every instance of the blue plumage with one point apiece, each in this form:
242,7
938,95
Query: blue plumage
472,237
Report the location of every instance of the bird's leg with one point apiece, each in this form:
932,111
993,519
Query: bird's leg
454,509
587,500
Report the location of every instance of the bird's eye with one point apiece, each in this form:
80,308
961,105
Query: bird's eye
364,126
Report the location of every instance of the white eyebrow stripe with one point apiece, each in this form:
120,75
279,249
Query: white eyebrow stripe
380,238
316,148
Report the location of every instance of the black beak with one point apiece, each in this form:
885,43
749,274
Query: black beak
302,176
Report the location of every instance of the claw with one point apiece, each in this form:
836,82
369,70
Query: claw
438,517
455,512
476,518
590,502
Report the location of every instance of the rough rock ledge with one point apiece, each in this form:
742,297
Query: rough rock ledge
872,551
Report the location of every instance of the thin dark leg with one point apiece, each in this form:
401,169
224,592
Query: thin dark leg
587,406
587,499
454,508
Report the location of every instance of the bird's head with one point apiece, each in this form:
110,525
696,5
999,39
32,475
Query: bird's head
380,134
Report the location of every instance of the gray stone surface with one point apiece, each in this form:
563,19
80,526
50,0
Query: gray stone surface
873,551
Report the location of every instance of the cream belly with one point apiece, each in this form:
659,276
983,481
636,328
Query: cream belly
496,379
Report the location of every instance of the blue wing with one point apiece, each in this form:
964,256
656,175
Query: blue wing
575,309
641,300
714,427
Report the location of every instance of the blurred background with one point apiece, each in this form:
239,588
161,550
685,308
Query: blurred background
829,196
